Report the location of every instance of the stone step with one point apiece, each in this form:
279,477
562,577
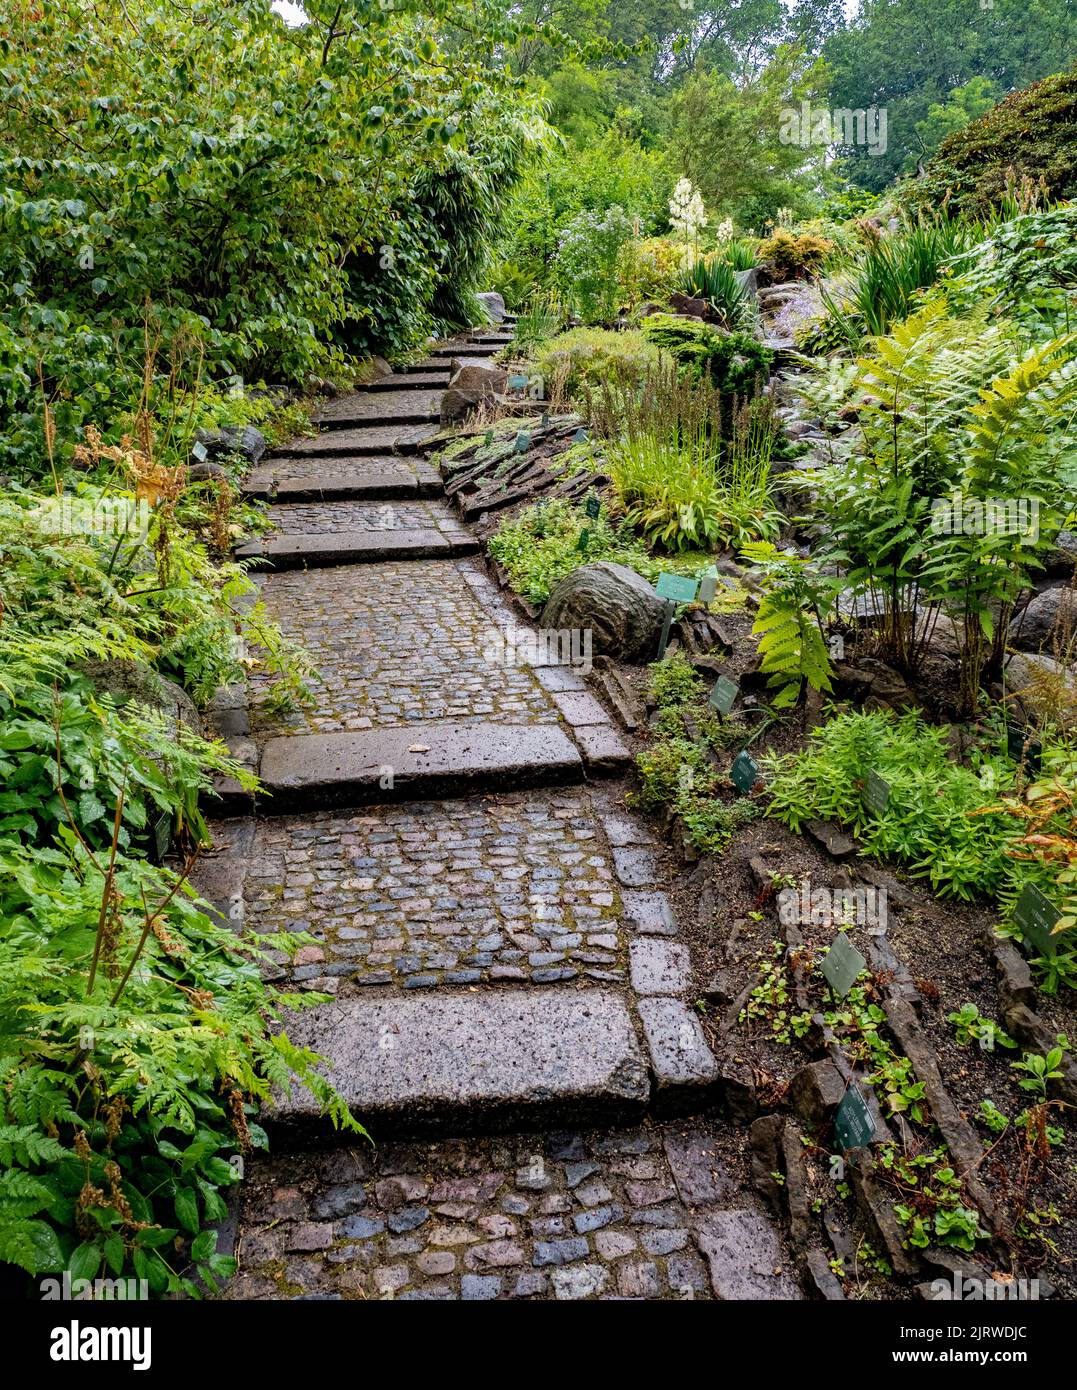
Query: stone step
466,349
329,480
388,408
408,381
316,771
366,440
424,366
292,552
473,1062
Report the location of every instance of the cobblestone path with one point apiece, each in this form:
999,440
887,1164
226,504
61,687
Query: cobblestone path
509,1006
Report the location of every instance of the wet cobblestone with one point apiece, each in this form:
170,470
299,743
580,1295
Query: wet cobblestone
485,1219
331,518
510,888
394,643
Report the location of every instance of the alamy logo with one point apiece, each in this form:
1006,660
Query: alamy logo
77,1343
968,1289
815,125
806,906
546,646
958,515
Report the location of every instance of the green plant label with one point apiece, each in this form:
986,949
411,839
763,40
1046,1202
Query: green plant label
876,793
675,587
523,442
200,452
593,506
842,964
581,436
585,536
853,1125
1036,914
745,772
1032,755
488,437
708,585
724,693
517,382
162,835
545,421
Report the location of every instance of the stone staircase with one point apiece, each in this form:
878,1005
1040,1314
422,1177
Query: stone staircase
492,928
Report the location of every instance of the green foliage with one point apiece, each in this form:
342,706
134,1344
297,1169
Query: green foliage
941,818
789,623
883,288
971,1026
543,544
1038,1071
1027,264
247,187
589,255
735,363
590,356
651,270
795,257
716,281
1030,136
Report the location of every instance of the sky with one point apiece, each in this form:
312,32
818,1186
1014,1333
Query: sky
293,14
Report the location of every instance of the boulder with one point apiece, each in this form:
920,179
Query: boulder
1044,616
469,387
748,280
622,611
1060,562
233,439
492,305
135,681
1038,682
687,307
204,472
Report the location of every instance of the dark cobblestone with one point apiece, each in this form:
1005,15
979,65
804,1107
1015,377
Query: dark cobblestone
439,893
330,518
476,1219
395,643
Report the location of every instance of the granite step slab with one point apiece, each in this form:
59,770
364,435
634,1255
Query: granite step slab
388,408
356,548
368,766
370,479
357,442
479,1061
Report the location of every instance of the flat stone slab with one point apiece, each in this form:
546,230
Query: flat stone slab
325,480
368,439
659,966
405,764
355,548
380,408
418,380
685,1070
473,1062
648,912
745,1258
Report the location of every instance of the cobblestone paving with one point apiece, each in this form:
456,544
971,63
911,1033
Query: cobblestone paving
560,1216
395,642
328,518
509,888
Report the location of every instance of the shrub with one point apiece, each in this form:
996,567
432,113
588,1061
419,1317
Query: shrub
543,544
795,257
588,356
736,363
716,281
651,270
1032,136
588,260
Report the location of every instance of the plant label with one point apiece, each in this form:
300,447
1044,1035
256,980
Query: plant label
708,585
675,587
523,442
581,436
517,382
853,1125
745,772
162,835
200,452
488,437
545,421
1023,748
842,964
876,793
593,506
585,536
1036,915
724,693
